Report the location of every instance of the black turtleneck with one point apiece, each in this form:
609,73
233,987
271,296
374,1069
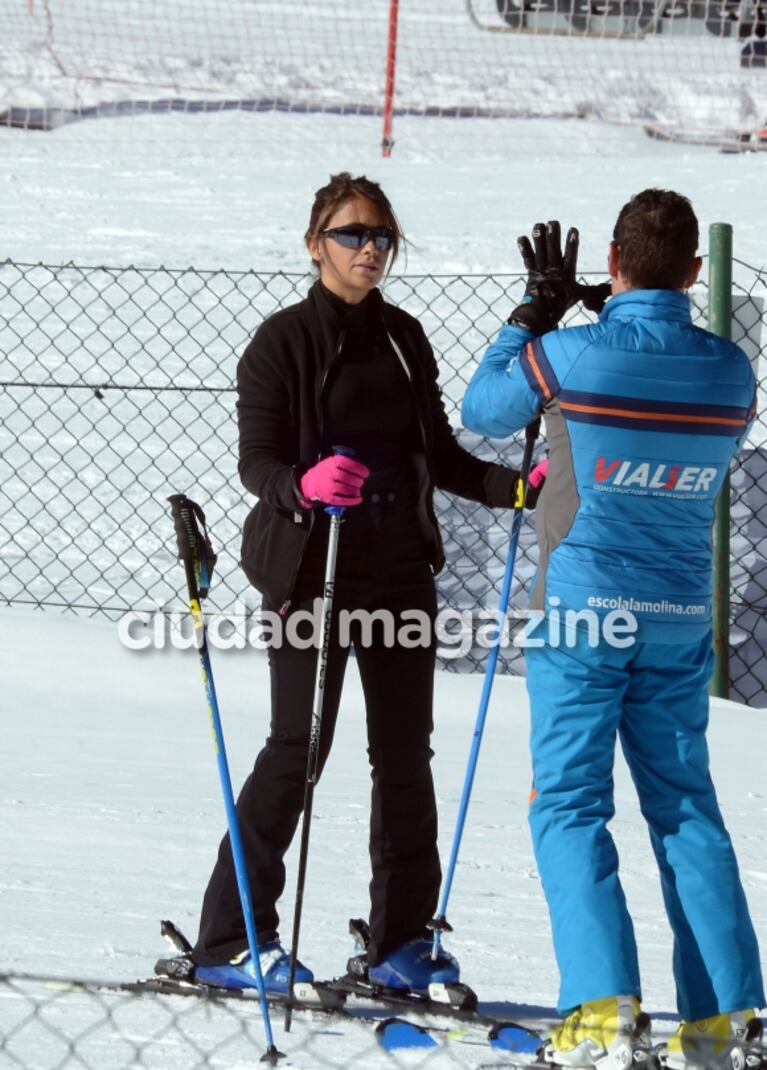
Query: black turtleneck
367,401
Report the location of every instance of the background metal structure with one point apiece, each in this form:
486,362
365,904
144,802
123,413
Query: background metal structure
720,322
117,388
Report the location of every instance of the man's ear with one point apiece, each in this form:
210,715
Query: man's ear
692,278
613,258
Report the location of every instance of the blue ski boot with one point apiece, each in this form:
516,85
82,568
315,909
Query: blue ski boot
239,973
411,968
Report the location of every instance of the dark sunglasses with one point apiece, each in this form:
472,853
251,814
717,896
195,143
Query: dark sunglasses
357,237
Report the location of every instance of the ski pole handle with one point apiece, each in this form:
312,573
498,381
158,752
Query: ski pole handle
340,451
183,520
532,431
194,545
531,434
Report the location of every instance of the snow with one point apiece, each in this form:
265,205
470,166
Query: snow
110,815
234,190
450,54
110,811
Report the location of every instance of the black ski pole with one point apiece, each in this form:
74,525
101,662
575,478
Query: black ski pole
195,550
335,513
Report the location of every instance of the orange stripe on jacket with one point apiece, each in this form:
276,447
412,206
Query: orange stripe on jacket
634,415
537,371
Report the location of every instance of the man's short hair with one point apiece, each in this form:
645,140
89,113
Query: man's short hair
657,238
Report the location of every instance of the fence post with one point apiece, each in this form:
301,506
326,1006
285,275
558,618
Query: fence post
387,142
720,322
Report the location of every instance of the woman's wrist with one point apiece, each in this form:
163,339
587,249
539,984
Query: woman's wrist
303,502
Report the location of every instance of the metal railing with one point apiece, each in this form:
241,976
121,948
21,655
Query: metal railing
57,1024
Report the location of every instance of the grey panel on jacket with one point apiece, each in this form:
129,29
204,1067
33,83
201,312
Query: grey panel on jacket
559,500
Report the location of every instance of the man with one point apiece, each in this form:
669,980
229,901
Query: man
643,415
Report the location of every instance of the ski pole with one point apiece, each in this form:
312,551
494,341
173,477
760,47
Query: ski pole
195,550
440,924
335,512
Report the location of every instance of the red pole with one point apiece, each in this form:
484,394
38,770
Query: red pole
391,65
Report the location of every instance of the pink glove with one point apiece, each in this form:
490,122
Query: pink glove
535,482
336,480
538,474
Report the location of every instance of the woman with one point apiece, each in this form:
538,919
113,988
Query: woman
344,367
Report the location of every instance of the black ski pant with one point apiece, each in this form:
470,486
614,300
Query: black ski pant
398,687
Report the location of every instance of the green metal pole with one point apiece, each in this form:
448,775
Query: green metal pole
720,322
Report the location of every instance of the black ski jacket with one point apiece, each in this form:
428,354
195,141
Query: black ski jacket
281,380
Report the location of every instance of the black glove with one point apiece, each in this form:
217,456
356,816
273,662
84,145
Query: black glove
593,297
551,285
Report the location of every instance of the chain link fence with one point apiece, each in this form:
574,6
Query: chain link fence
57,1024
117,389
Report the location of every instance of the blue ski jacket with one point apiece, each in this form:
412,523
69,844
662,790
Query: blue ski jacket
643,413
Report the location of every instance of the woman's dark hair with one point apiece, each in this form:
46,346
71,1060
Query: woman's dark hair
657,238
340,189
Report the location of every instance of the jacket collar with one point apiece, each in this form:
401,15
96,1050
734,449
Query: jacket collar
332,307
648,304
328,319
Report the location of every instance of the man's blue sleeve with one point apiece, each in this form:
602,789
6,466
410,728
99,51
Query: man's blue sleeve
509,387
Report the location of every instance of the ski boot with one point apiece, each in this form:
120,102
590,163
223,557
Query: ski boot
239,972
411,968
722,1042
612,1033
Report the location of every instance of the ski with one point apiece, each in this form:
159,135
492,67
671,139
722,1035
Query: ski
391,1033
395,1034
355,998
442,1007
343,995
456,1001
307,997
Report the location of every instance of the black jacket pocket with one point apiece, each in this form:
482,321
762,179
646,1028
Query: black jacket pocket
273,543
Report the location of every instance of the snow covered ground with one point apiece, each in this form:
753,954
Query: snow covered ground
110,815
672,65
109,806
234,190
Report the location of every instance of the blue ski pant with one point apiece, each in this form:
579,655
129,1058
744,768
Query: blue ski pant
654,697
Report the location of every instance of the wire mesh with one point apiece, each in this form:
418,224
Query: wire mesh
117,389
682,67
58,1024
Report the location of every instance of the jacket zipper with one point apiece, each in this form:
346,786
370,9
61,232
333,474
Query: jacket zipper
282,611
408,373
429,512
323,381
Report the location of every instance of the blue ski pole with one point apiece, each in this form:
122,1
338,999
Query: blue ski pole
195,550
440,924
